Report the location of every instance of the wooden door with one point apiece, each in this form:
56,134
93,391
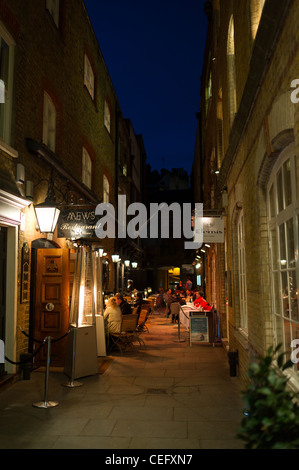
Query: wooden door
52,302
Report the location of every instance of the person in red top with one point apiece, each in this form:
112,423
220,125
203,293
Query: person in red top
201,302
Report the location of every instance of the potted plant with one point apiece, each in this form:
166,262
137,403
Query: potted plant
271,418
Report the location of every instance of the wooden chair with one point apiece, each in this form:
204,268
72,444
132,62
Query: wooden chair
128,333
142,320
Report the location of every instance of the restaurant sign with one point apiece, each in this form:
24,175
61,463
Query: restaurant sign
77,223
213,229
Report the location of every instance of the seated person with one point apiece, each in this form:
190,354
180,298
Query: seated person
138,302
112,316
201,302
123,304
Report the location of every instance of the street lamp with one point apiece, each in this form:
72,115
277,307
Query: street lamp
134,265
47,212
116,260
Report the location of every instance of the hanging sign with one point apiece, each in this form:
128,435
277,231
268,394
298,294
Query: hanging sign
213,230
77,223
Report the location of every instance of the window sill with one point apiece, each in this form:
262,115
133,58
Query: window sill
8,149
242,337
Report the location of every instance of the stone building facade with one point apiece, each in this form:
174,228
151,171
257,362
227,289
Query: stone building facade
59,118
247,166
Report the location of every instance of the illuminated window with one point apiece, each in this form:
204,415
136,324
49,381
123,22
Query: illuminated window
106,189
53,7
86,168
231,66
283,232
242,272
88,76
256,10
7,50
49,123
107,116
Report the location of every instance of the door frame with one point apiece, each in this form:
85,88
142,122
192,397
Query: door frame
39,243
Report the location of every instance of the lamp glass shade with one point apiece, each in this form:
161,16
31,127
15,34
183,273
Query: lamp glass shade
115,258
127,263
47,217
134,264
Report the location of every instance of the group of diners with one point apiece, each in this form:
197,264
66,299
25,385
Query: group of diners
116,307
183,297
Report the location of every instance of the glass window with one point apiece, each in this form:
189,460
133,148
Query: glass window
107,117
231,67
53,7
242,273
88,76
7,84
283,226
49,123
86,168
256,10
106,189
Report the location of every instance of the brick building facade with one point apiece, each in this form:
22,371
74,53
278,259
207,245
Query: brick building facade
60,117
247,168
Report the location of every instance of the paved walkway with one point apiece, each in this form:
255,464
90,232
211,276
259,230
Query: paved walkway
166,395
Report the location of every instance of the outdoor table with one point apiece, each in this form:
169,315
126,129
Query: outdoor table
199,323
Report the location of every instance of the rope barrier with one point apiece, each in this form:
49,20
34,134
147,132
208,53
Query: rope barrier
45,403
42,343
28,358
61,337
30,337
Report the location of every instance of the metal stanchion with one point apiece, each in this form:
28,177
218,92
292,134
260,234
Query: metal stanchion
72,383
46,403
179,340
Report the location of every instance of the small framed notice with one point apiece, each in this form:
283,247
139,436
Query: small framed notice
199,329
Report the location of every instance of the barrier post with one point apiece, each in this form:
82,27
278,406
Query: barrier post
46,403
179,340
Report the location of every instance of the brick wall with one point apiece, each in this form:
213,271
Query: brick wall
266,121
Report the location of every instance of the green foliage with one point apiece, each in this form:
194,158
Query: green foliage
272,420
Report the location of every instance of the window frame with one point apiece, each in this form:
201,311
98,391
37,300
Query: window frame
285,310
107,116
231,71
106,192
49,122
6,125
242,278
53,7
89,76
87,168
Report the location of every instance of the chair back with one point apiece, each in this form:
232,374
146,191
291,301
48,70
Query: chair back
129,322
146,307
134,310
142,317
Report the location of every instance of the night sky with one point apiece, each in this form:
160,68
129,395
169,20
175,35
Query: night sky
154,54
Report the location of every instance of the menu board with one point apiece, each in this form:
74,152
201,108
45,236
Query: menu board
199,329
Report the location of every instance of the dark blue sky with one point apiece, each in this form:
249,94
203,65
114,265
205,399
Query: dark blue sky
154,54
